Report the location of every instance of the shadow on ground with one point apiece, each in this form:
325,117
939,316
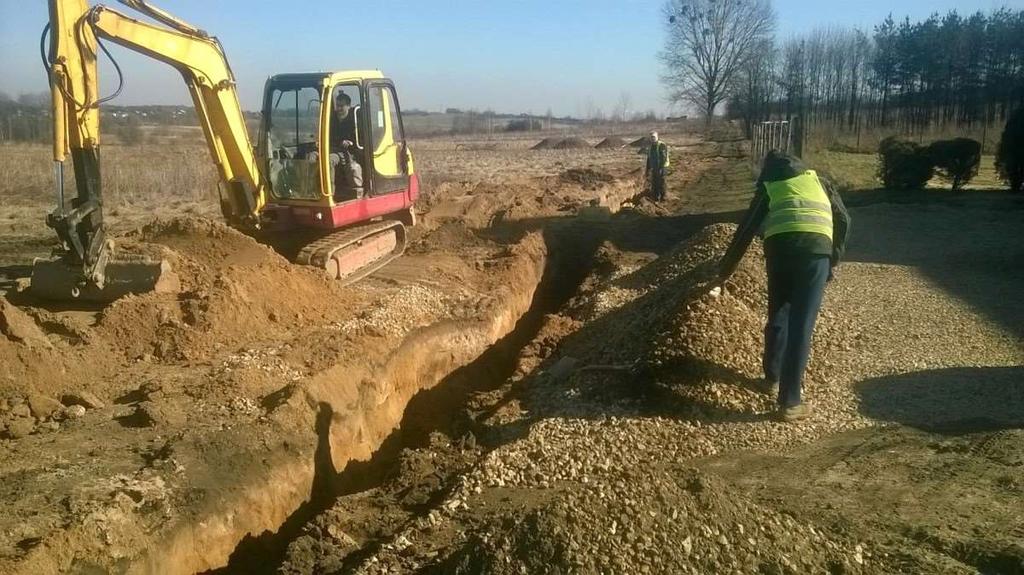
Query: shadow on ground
967,243
954,400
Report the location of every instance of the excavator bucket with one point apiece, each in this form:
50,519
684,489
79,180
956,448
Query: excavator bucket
123,275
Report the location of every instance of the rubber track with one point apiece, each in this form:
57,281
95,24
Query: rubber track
319,252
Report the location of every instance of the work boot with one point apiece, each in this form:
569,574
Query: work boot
768,387
798,412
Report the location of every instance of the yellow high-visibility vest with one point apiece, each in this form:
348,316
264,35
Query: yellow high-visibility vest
798,204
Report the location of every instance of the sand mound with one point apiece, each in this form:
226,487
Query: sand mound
610,143
573,143
546,144
198,247
34,353
18,327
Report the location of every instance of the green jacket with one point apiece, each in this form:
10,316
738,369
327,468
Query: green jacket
657,157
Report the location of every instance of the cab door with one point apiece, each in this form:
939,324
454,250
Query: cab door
389,157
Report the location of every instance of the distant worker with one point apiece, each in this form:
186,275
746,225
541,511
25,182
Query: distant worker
657,165
805,230
348,175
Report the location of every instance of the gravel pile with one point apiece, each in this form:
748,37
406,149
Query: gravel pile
411,307
661,520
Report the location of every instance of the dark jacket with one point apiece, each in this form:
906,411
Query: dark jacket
657,155
341,130
779,167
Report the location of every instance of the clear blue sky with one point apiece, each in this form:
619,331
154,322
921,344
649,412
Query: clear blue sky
509,55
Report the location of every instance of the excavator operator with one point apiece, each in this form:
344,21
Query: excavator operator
345,157
343,123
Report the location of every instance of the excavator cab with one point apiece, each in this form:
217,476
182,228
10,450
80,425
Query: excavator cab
332,147
334,151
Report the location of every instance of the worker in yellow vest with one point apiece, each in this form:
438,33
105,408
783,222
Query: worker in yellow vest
657,167
805,230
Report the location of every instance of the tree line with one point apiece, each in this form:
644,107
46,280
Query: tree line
907,76
942,71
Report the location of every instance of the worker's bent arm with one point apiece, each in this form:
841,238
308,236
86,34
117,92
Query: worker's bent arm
841,222
744,234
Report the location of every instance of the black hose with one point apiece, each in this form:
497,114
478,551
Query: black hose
117,68
48,65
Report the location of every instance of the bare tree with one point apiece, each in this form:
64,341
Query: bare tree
708,42
621,111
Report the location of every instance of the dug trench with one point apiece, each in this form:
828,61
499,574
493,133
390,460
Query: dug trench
619,430
446,430
192,445
152,435
444,410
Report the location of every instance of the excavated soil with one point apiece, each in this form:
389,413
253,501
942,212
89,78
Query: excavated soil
586,177
156,433
572,143
546,144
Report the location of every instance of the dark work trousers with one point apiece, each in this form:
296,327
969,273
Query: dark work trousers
658,185
796,284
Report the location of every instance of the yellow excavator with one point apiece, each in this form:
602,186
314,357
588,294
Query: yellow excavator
331,165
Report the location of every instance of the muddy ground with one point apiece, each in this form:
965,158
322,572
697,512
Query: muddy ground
542,385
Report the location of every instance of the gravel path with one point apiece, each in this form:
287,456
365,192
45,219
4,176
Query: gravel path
592,471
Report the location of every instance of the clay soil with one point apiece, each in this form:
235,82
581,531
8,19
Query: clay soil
543,384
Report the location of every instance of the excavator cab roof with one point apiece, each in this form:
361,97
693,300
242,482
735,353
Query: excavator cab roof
307,78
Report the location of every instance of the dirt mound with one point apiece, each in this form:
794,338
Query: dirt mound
611,142
238,291
242,303
640,142
586,177
668,519
573,143
18,327
449,235
198,247
26,355
546,144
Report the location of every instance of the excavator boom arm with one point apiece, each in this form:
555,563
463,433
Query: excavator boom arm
202,64
76,30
